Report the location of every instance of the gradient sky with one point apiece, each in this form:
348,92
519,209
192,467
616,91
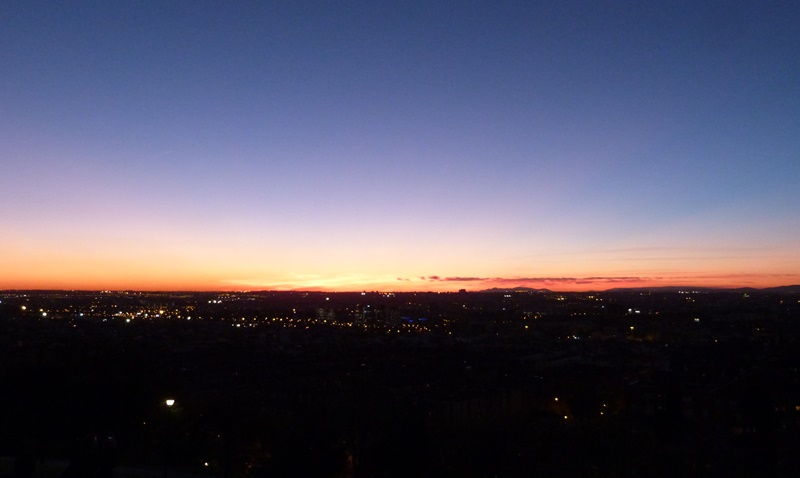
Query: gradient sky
399,145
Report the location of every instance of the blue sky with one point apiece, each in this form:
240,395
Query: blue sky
349,144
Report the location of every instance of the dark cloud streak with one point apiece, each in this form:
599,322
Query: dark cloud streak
545,280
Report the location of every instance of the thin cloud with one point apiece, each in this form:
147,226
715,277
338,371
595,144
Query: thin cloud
543,280
454,279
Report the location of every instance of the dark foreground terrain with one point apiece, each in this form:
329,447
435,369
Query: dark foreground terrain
526,383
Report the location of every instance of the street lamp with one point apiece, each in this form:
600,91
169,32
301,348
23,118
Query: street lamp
170,403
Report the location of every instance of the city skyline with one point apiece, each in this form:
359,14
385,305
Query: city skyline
383,146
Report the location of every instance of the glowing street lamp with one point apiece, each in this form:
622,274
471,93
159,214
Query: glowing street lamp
169,431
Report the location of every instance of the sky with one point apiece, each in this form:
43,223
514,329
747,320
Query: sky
376,145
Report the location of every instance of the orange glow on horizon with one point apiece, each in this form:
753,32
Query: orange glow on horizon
164,267
435,284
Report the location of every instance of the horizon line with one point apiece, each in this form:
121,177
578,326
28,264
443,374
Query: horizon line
454,291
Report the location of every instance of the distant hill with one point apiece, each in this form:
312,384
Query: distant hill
665,289
787,289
